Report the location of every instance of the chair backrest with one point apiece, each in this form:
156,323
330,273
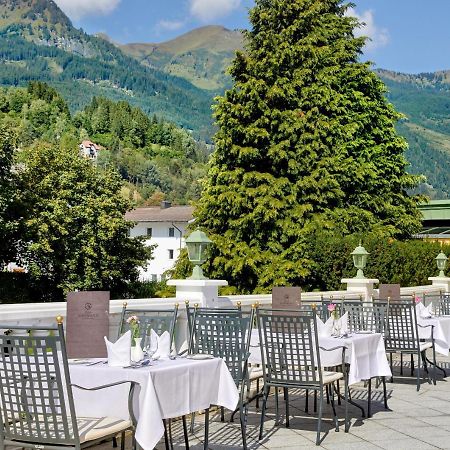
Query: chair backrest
158,320
366,316
290,348
224,334
401,330
36,397
440,302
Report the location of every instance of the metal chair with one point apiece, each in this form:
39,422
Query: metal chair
160,320
368,316
291,359
402,335
37,407
440,302
225,334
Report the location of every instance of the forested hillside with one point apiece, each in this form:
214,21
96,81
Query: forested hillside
37,41
155,159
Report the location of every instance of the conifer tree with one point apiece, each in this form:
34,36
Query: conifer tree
306,139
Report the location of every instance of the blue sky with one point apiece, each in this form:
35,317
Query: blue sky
407,35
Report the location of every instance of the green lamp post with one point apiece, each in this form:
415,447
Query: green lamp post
441,262
360,256
197,243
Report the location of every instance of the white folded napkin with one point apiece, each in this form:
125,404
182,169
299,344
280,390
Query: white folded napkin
425,312
326,329
119,352
163,344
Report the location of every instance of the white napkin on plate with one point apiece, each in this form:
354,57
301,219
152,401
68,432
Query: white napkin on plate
326,329
119,352
424,312
163,344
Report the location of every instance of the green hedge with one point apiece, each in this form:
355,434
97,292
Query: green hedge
409,263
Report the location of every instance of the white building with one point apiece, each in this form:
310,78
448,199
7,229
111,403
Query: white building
89,150
164,226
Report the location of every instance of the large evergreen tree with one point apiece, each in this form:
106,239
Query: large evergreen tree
306,139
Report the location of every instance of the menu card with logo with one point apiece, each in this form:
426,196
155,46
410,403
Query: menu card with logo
391,291
286,297
87,323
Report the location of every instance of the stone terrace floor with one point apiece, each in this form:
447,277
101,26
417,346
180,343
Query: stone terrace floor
417,420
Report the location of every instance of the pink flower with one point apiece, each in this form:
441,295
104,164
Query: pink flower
133,320
418,299
331,307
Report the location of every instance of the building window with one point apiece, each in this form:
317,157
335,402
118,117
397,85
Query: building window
170,254
171,232
154,277
149,232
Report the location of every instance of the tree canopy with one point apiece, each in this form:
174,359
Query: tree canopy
306,140
73,234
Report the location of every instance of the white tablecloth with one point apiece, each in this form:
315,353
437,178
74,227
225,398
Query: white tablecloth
365,354
167,389
441,332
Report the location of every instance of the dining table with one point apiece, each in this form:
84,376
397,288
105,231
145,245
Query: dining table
365,354
167,388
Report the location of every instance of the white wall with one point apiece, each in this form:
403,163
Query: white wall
160,236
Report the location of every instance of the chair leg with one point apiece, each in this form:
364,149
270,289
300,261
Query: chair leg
369,398
315,401
122,440
192,423
346,421
383,379
185,432
286,400
257,391
306,400
206,443
330,387
263,412
222,414
277,410
319,417
412,365
392,367
435,366
339,392
114,442
243,417
166,436
170,434
418,372
401,364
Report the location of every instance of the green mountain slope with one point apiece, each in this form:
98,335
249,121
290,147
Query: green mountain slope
38,42
424,99
200,56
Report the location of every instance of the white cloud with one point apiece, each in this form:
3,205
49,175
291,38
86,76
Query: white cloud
76,9
379,37
170,25
209,10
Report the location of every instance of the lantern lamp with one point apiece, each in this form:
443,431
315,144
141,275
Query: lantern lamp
360,256
197,243
441,262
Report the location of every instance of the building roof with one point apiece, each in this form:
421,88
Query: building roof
157,214
88,144
436,210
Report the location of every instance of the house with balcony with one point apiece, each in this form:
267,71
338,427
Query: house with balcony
163,226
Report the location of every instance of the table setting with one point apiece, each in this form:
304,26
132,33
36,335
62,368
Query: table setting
170,385
441,327
365,351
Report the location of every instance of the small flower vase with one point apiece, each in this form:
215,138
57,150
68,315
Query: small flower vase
336,327
137,354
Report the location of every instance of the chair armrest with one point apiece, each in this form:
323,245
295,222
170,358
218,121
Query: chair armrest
425,326
334,348
103,386
133,384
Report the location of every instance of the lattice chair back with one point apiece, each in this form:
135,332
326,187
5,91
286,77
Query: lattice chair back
440,302
401,331
158,320
224,334
36,404
444,305
290,347
366,316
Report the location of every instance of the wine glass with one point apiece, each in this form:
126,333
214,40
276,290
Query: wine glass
151,344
